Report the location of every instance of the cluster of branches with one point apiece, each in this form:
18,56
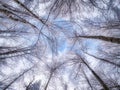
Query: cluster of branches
30,41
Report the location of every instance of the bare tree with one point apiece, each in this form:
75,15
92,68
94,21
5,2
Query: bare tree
74,40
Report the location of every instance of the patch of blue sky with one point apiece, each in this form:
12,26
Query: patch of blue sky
92,45
62,46
68,27
64,24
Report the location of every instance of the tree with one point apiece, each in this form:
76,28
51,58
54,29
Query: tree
59,44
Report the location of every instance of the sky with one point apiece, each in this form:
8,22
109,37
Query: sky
60,35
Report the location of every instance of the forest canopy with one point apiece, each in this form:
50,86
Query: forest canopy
59,45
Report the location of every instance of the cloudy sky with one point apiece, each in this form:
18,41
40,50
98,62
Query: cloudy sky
57,45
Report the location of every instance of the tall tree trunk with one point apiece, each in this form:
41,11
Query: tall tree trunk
88,81
14,80
22,5
96,76
46,86
104,38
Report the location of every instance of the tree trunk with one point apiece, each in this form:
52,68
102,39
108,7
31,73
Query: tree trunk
104,38
96,76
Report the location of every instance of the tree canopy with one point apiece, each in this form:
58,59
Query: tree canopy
59,45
